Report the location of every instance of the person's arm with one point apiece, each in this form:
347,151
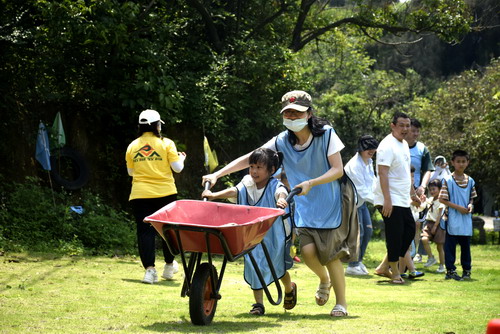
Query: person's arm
334,173
178,165
281,201
427,169
234,166
457,207
226,193
423,184
383,174
438,220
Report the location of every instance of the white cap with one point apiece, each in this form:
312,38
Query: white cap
149,116
439,157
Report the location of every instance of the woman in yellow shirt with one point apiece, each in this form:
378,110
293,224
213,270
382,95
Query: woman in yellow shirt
151,159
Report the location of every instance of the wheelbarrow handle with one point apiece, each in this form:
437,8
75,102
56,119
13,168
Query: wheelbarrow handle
207,185
295,191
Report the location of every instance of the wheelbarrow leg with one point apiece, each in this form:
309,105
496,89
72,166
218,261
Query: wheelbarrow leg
194,262
273,273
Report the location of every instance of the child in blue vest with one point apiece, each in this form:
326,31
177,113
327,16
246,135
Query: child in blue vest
458,193
259,188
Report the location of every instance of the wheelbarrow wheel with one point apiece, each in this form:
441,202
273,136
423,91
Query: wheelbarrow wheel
202,299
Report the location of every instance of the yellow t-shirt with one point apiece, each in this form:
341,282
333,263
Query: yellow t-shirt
150,157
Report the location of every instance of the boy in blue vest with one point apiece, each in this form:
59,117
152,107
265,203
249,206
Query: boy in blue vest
458,193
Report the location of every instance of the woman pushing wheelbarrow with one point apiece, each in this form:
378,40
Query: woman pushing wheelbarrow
312,160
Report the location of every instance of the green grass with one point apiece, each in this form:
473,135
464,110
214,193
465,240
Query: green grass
46,293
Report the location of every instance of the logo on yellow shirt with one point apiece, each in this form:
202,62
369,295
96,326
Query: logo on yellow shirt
147,151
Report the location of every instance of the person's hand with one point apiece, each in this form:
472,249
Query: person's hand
387,208
207,194
463,210
209,178
281,203
182,155
306,187
420,191
416,200
470,208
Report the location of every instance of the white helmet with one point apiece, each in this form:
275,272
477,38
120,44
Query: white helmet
149,116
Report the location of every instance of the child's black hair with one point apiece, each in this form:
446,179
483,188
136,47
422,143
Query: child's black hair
435,183
412,169
267,157
460,153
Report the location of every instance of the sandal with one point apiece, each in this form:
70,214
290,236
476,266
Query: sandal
323,293
258,309
397,281
383,274
339,311
290,298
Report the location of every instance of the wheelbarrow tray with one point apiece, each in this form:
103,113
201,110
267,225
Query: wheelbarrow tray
242,227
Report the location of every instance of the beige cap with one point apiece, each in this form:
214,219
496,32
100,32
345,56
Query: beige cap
297,100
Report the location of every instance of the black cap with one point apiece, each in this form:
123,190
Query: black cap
367,142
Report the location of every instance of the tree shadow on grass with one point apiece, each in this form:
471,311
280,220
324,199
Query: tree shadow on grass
322,314
27,281
185,326
160,283
408,282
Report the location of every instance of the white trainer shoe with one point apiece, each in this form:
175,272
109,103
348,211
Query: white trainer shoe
357,271
176,267
430,261
169,270
150,276
440,269
417,258
363,267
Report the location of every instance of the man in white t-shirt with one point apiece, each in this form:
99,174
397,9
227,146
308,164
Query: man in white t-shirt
392,195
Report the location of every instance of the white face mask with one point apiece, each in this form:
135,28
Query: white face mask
295,125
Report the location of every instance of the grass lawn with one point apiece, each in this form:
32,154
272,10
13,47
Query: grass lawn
46,293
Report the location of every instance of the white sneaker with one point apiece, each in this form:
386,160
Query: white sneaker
440,269
358,271
363,267
430,261
169,270
150,276
417,258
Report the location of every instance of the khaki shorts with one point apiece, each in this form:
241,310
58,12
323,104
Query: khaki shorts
329,243
437,237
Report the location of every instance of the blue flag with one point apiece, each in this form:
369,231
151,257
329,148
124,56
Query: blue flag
42,147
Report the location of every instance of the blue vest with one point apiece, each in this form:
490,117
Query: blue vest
416,153
459,223
275,240
321,208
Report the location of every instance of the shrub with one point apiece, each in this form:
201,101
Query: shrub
34,217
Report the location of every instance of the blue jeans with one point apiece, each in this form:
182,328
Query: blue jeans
450,247
365,232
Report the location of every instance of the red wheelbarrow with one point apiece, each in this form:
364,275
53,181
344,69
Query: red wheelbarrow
214,228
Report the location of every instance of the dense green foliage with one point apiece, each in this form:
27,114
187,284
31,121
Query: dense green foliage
214,68
465,114
36,218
